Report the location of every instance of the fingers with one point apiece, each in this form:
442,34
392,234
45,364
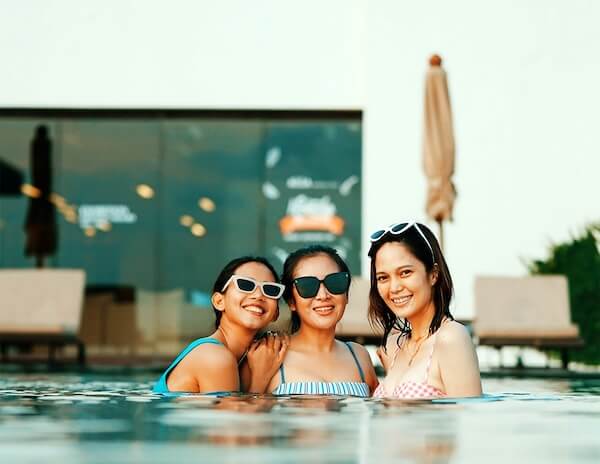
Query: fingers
255,345
282,351
276,344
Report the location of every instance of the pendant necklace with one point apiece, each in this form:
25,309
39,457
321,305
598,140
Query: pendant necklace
419,342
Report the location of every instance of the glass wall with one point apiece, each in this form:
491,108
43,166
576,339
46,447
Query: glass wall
152,207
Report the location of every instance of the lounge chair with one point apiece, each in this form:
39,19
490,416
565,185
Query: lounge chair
525,311
41,307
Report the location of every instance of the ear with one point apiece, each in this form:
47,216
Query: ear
435,272
218,301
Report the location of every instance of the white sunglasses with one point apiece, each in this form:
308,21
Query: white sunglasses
248,285
397,229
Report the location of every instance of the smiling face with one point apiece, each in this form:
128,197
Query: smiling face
250,310
324,310
402,281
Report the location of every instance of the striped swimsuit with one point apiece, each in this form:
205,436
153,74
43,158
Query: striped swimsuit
324,388
411,390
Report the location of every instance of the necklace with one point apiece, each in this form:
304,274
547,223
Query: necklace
419,341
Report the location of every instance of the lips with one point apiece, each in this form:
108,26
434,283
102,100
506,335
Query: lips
323,310
401,300
254,309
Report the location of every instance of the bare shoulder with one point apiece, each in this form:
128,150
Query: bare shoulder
360,351
211,356
453,333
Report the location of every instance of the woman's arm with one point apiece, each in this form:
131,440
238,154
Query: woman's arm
457,359
207,368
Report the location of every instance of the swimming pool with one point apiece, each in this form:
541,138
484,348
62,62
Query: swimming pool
99,419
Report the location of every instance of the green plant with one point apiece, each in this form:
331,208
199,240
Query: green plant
579,260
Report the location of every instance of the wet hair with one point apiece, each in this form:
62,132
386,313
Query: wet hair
289,267
229,270
380,315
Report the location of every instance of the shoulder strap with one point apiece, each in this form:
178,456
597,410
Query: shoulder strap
161,386
281,374
360,371
430,357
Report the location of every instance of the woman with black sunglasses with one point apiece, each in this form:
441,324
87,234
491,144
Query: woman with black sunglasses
425,352
316,282
245,300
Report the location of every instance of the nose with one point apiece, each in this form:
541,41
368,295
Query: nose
257,293
322,293
396,285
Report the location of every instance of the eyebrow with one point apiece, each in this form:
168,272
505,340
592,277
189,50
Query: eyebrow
399,268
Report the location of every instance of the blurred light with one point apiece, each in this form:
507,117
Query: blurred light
145,191
66,208
31,191
59,201
71,216
89,231
206,204
105,226
186,220
198,230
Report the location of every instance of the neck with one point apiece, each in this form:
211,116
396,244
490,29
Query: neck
237,339
312,339
421,321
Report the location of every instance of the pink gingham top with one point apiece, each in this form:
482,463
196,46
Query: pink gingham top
411,389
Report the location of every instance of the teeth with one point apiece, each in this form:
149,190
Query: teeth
254,309
324,309
401,301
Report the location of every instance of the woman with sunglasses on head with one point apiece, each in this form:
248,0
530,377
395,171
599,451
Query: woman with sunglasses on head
245,300
316,283
425,352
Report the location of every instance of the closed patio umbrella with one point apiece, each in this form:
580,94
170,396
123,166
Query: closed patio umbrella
438,146
40,223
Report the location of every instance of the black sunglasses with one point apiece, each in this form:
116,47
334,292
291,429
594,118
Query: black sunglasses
336,284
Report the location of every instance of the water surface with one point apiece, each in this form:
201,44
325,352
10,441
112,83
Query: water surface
99,419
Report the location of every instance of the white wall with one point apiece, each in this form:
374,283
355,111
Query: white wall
523,80
182,54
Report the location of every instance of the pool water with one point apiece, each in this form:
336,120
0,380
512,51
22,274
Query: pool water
100,419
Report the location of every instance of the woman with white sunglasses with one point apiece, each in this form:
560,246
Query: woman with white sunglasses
245,300
425,352
317,282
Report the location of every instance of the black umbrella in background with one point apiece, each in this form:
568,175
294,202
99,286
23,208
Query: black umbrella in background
40,223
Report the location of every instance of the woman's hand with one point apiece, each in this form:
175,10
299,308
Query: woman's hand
264,358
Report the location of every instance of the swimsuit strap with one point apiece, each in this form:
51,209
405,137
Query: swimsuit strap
360,371
161,386
281,374
430,357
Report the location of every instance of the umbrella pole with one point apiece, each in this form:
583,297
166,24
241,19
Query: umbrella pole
441,226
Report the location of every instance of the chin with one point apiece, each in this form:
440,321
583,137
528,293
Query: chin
403,313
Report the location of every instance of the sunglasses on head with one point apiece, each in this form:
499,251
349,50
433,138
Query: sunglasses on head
397,229
336,284
248,285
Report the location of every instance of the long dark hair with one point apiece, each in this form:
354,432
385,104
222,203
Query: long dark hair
380,315
229,270
289,267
